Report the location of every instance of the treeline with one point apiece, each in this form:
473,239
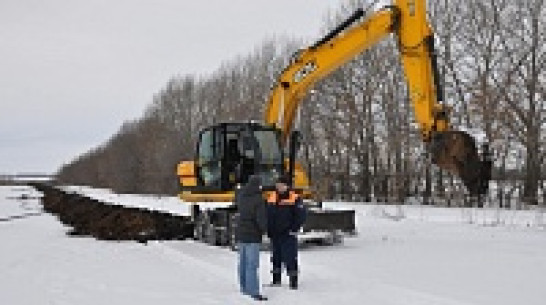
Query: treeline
361,141
143,155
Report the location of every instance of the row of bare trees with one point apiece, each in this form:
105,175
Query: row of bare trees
142,156
361,141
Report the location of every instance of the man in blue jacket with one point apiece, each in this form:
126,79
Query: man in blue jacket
285,217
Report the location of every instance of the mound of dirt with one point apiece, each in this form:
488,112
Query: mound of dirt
89,217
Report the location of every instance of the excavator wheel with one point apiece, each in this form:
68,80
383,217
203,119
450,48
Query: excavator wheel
456,153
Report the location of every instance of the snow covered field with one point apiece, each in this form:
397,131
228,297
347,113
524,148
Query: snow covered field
410,255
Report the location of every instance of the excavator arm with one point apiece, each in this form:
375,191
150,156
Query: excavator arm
310,65
453,151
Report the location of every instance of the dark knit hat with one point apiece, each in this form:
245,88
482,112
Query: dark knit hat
285,179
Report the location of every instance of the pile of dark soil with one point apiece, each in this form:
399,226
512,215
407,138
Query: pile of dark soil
103,221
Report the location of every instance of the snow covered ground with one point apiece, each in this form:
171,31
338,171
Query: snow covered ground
151,202
410,255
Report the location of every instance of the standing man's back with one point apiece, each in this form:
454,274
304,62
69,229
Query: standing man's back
252,224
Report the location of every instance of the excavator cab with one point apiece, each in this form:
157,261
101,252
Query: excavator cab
229,153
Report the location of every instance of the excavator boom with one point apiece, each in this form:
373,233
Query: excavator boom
453,151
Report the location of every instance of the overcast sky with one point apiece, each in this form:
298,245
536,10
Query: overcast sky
71,71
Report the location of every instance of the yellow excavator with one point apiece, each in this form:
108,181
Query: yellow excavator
228,153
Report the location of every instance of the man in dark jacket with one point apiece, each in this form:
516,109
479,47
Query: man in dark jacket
252,224
285,216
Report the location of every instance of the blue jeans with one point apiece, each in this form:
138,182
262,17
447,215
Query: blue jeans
249,261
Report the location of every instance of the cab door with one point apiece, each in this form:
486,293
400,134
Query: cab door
209,158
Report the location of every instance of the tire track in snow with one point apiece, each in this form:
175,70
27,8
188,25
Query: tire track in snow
22,216
214,272
385,293
185,259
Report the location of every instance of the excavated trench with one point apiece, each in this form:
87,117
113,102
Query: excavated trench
90,217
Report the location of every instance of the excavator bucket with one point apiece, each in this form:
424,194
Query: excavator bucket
456,153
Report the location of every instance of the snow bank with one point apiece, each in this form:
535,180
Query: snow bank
170,204
481,216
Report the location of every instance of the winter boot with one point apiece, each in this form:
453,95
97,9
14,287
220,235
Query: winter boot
259,297
293,282
276,279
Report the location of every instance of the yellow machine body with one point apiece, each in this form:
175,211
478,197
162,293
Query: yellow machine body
406,21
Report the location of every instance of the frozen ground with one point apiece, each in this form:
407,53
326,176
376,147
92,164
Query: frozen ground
401,256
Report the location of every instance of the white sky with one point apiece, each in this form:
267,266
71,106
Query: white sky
71,71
